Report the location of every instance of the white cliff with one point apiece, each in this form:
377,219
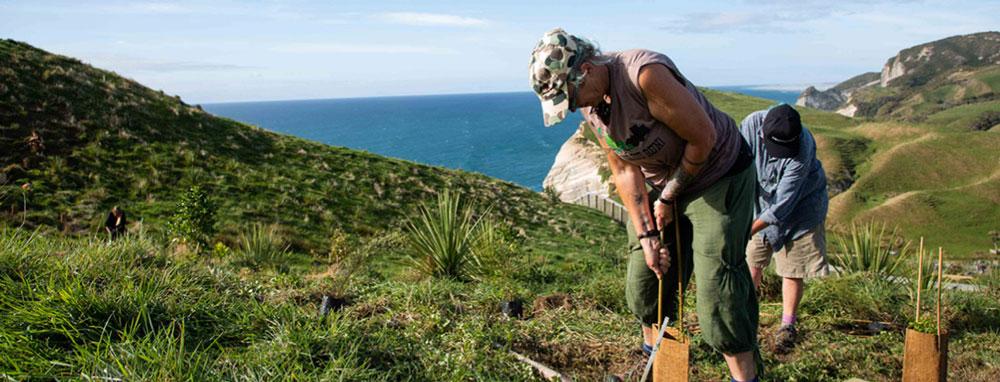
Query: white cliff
576,171
892,70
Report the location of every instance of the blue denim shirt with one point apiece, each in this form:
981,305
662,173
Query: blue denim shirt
791,192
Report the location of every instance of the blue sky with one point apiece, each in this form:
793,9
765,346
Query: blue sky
211,51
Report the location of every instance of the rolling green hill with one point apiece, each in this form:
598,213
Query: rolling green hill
105,140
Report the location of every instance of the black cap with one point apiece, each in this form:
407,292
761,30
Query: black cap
782,132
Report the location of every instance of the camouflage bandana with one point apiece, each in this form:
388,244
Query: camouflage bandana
551,70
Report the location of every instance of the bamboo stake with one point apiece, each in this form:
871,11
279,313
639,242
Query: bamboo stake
940,267
920,278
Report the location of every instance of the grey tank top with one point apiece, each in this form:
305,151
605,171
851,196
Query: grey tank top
638,138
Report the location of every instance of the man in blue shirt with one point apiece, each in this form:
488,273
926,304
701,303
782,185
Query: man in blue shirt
790,209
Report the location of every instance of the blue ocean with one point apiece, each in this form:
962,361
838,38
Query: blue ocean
497,134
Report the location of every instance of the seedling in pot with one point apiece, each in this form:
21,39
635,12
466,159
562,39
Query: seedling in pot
925,353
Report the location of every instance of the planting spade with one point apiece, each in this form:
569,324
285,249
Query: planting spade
925,355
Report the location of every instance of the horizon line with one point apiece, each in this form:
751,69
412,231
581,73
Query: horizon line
773,87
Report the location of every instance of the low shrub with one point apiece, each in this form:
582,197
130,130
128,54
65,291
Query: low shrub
442,238
261,246
869,248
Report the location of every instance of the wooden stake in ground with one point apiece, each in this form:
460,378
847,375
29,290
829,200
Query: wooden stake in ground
920,277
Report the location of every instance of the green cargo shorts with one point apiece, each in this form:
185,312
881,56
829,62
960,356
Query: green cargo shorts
715,228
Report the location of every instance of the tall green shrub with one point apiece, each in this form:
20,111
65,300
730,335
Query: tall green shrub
193,220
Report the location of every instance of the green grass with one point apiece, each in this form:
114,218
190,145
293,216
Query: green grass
991,77
138,310
960,118
938,186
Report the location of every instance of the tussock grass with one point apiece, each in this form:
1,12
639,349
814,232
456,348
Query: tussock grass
261,245
443,239
870,248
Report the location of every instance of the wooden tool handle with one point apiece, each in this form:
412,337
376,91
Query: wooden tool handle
680,271
659,303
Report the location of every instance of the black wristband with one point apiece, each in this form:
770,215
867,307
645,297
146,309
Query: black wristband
665,201
649,234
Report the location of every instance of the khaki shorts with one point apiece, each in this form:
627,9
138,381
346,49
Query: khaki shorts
801,258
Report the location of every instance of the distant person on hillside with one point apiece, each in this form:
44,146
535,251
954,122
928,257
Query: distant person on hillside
790,211
668,148
115,223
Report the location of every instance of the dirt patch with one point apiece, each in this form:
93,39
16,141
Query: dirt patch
586,360
369,308
552,302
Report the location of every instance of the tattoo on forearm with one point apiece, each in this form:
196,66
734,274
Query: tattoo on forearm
643,217
637,198
680,180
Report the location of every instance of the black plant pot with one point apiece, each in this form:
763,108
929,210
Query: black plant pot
331,303
512,308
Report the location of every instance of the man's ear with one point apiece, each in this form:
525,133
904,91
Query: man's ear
586,66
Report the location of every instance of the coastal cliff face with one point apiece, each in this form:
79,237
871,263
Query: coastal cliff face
577,169
829,99
838,98
943,73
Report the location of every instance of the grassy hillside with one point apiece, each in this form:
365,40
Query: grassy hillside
145,308
107,141
931,181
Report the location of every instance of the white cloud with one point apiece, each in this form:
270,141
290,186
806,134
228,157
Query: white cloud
431,19
359,48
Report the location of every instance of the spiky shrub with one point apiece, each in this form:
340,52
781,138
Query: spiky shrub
441,239
870,248
261,245
193,220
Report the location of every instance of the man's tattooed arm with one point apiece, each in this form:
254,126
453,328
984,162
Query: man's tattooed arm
677,183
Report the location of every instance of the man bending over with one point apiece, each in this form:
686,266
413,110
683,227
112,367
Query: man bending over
790,208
